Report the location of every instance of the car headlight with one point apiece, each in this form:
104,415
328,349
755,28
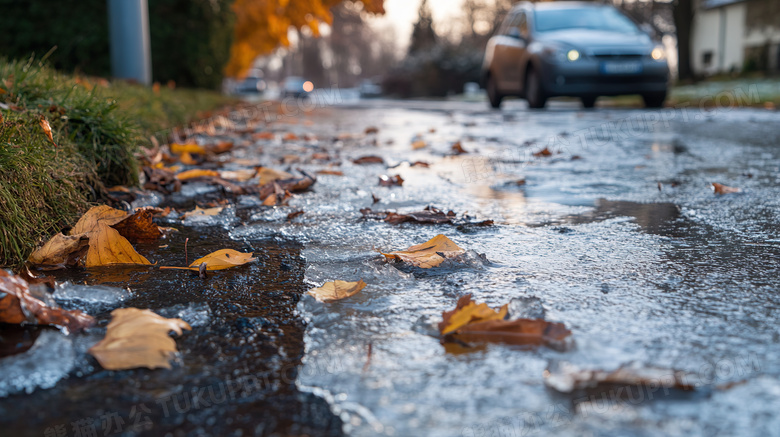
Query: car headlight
658,53
561,54
573,55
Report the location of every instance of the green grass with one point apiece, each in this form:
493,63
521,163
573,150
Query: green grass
98,127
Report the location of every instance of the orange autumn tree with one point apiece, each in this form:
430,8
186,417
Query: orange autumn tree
262,25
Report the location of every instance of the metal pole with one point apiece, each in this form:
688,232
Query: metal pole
128,22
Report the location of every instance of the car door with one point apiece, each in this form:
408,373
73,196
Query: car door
502,44
516,52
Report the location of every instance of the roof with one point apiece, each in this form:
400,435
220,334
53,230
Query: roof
709,4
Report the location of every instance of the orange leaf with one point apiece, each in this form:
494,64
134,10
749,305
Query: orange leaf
138,227
47,130
429,254
137,338
724,189
219,260
96,215
419,144
187,148
107,247
336,290
196,173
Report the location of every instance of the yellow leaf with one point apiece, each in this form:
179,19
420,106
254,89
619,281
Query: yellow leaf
419,144
196,173
429,254
198,211
107,247
219,260
267,174
179,149
96,215
473,313
137,338
59,250
187,159
336,290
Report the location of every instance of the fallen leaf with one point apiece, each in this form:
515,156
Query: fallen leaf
221,147
242,175
293,185
430,215
47,130
198,211
477,322
196,173
724,189
219,260
264,136
420,164
60,251
290,137
429,254
186,158
419,144
95,216
569,378
543,153
331,172
370,159
391,181
107,247
336,290
162,180
371,130
267,175
137,338
139,226
294,214
191,148
19,306
458,149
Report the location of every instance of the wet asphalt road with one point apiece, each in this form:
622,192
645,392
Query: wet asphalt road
616,233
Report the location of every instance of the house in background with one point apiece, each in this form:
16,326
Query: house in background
736,35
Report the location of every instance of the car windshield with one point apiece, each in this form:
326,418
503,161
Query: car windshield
598,18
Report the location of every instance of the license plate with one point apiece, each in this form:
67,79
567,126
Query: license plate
616,67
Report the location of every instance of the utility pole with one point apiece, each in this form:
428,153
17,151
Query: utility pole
128,22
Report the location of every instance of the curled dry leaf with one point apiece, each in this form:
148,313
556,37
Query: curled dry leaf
430,215
191,148
162,180
19,306
568,378
47,130
219,260
198,211
137,338
370,159
139,226
391,181
429,254
331,172
371,130
337,290
196,173
420,164
96,215
476,322
60,251
107,247
458,149
724,189
543,153
268,175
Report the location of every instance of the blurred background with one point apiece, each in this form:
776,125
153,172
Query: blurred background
400,48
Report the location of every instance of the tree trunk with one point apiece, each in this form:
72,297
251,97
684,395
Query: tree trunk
683,21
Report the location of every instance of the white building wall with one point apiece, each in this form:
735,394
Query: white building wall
727,52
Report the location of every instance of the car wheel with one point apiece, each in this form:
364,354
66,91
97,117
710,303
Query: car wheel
589,101
494,96
534,92
654,100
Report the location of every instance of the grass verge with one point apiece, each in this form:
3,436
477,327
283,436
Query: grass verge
97,128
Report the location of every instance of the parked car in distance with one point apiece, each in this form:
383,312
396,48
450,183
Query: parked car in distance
369,89
294,86
251,85
575,49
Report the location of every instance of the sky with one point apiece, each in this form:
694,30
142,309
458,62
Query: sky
402,14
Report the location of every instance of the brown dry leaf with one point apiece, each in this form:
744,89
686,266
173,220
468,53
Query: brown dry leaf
241,175
200,211
391,181
137,338
371,130
294,214
370,159
180,149
96,215
196,173
458,149
724,189
337,290
107,247
293,185
543,153
331,172
221,147
19,306
264,136
290,137
60,251
267,175
219,260
139,226
162,180
429,254
477,322
420,164
430,215
419,144
568,378
47,130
